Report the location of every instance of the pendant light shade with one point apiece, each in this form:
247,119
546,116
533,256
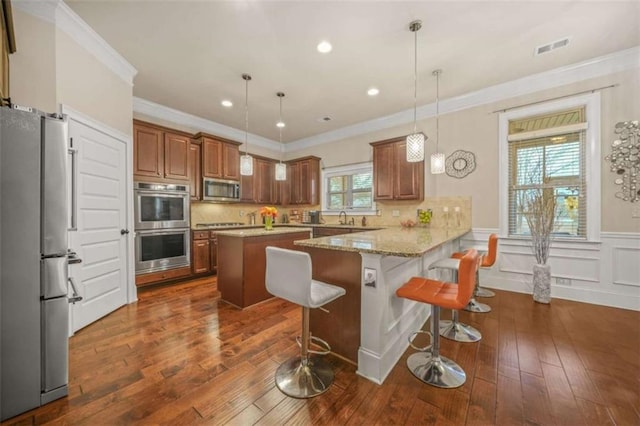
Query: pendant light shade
415,141
246,161
281,168
437,159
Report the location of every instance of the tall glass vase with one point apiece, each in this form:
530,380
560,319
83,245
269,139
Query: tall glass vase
268,223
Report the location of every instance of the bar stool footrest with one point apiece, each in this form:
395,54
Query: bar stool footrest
318,342
427,348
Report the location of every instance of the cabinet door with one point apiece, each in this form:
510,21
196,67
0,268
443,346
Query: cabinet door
231,161
211,158
264,181
408,176
200,256
293,180
176,156
383,165
213,245
148,152
195,172
247,190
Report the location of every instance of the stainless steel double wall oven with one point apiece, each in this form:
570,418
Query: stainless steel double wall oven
162,226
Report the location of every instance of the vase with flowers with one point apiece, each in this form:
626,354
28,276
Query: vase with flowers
268,214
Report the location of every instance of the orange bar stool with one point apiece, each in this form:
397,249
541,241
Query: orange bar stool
288,276
487,260
427,364
454,329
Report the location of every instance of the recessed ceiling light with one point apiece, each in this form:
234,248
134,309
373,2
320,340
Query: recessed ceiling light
373,91
227,103
324,119
324,47
280,124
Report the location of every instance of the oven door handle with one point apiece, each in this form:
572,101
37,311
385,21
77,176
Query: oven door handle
163,232
172,194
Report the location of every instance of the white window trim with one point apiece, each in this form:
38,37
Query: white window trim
328,172
592,167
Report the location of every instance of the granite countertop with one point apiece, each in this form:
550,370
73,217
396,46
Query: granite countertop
196,227
392,241
257,232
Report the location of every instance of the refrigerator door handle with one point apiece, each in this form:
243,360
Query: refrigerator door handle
76,297
74,200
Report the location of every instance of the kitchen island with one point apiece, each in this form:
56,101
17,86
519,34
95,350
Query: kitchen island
242,261
369,326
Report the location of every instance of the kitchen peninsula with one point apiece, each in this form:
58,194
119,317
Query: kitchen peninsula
370,325
242,261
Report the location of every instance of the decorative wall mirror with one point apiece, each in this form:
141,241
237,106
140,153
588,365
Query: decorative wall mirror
460,164
625,160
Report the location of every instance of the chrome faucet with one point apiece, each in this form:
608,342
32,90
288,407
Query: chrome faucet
342,212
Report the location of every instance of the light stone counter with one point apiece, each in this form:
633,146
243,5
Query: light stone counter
258,232
396,241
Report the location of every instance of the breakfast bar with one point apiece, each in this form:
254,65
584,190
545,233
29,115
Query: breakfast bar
369,326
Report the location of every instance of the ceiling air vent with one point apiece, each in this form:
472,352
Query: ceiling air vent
552,46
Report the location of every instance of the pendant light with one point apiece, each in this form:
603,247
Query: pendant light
281,168
415,141
437,159
246,161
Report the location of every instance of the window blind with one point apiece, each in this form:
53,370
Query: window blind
547,156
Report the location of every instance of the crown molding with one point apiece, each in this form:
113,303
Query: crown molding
66,20
596,67
152,109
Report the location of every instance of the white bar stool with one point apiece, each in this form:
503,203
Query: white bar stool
288,276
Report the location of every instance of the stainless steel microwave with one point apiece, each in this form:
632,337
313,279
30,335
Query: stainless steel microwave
220,190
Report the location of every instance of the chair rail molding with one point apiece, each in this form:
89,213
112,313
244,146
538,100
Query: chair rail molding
602,273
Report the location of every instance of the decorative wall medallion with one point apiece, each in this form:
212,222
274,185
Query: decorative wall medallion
460,164
625,160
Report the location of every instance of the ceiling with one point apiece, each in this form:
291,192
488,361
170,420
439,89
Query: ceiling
190,55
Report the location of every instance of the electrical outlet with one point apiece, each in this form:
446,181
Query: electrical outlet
241,213
370,277
395,213
563,281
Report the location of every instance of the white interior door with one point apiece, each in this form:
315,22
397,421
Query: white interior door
101,187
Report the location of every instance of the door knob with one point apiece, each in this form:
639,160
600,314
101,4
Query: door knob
124,231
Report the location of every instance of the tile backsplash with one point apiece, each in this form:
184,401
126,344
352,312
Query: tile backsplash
458,212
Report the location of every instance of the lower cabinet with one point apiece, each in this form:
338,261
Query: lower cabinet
200,252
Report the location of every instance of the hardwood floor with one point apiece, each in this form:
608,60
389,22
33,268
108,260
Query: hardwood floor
179,356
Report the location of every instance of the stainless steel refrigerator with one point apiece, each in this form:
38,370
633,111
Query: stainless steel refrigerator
34,255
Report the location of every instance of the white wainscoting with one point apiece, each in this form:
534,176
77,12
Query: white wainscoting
605,273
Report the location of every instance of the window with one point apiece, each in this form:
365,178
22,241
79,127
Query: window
551,148
348,188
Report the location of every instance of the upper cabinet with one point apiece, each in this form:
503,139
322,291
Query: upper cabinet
7,47
394,177
160,154
303,181
195,163
261,187
220,157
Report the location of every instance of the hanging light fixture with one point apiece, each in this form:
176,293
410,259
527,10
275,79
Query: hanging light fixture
246,161
415,141
281,168
437,159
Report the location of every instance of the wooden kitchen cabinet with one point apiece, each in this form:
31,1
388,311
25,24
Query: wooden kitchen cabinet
7,46
159,153
261,187
394,177
195,171
303,181
220,157
200,252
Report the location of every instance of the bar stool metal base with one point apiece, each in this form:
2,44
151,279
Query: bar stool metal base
300,379
475,306
459,332
439,371
483,292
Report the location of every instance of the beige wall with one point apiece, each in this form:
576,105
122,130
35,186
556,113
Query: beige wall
49,69
87,85
33,65
476,130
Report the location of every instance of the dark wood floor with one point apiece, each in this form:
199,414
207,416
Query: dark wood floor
179,356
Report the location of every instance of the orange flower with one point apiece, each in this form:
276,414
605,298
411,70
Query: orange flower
269,211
